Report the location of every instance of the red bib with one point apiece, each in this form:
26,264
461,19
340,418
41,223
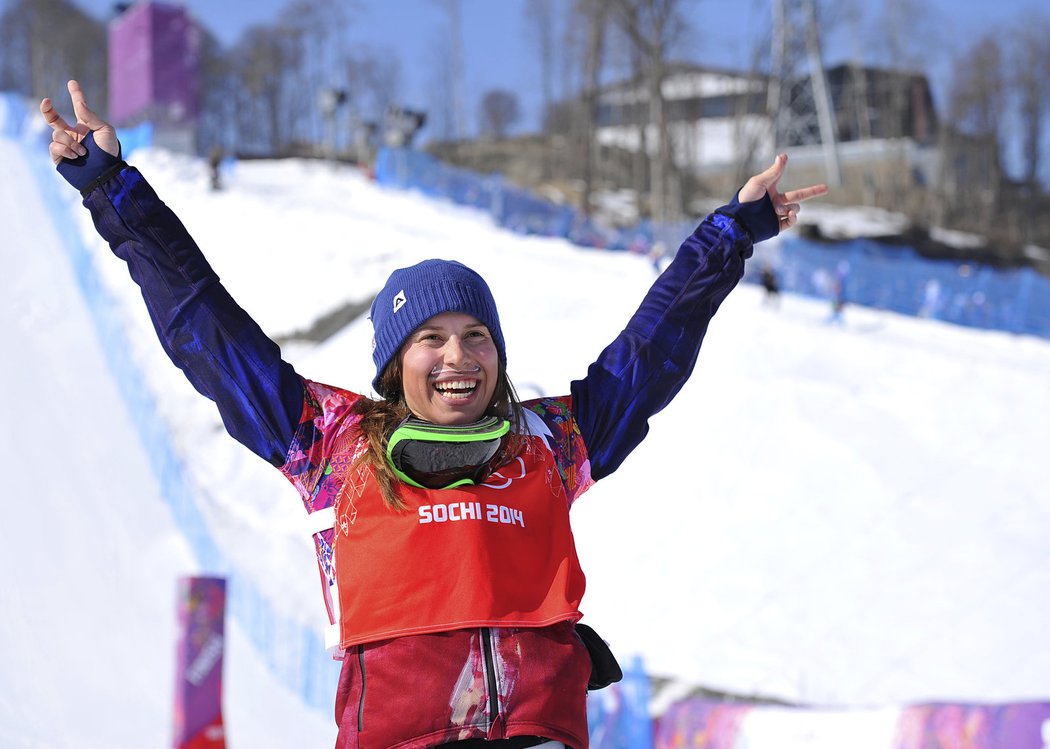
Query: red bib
499,554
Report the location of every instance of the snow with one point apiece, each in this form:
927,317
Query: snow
848,516
838,223
90,555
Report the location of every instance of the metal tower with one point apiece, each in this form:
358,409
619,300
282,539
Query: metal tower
799,101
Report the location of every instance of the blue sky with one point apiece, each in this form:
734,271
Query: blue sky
499,53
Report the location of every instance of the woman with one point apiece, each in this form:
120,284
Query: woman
441,507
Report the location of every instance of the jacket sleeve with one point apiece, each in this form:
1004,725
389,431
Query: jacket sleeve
649,362
221,350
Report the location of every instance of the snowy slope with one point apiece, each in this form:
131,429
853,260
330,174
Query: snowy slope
90,554
846,516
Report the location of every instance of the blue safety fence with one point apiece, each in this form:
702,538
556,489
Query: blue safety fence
14,115
898,279
618,716
133,138
18,119
511,207
873,274
295,654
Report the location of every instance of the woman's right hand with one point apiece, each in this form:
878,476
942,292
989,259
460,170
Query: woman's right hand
786,204
66,139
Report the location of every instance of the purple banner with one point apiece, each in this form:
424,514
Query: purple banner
699,724
154,63
198,672
1024,725
707,724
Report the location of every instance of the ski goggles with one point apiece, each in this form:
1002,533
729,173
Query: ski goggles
435,456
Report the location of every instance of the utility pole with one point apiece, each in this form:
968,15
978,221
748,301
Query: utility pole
801,110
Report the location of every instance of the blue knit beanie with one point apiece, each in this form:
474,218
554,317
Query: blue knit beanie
415,294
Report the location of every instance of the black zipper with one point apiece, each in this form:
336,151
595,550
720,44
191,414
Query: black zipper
490,675
361,704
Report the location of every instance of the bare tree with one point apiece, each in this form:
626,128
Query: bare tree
655,27
315,29
564,121
1030,77
540,16
595,16
974,148
218,92
499,110
440,97
454,66
905,34
15,58
262,60
1031,81
633,114
375,83
571,39
41,41
282,71
541,19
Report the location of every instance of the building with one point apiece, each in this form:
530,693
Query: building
720,126
715,117
154,73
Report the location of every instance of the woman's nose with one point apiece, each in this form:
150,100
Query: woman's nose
455,352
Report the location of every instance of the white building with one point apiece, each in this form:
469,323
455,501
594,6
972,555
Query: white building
715,117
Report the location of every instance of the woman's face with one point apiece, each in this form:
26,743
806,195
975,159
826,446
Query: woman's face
449,368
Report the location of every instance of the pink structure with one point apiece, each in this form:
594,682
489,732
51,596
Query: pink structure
154,62
198,665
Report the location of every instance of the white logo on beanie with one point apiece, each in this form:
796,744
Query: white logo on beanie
399,300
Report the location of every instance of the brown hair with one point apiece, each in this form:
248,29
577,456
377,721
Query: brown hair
380,417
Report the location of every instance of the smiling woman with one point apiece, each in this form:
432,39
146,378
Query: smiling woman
439,507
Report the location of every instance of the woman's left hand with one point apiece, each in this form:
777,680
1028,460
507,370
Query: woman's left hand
786,204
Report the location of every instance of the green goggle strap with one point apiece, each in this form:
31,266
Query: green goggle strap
490,428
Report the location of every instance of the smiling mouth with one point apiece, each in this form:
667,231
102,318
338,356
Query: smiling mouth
456,389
